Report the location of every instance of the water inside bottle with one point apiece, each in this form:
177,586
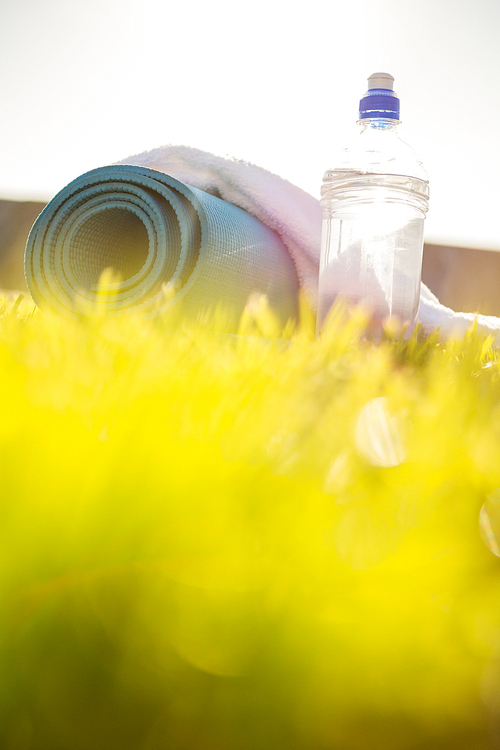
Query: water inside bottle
372,254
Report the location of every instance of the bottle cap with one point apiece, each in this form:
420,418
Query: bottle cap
380,101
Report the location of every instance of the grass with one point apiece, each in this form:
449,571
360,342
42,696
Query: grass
213,543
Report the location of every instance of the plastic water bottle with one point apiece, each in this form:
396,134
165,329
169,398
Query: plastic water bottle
374,204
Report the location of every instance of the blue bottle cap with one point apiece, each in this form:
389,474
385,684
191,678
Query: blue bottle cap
380,101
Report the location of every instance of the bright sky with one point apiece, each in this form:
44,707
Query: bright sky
85,84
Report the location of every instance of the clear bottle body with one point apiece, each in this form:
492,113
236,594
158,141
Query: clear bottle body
374,205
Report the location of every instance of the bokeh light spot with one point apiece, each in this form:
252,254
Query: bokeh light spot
379,434
489,522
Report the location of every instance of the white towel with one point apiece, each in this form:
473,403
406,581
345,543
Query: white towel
293,214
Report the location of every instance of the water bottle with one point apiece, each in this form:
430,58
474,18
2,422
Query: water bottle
374,204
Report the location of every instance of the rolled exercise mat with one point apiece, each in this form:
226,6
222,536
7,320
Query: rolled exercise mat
155,233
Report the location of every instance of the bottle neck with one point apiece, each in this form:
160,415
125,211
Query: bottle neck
378,123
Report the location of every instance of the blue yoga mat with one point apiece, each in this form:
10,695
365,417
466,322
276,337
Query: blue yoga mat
167,244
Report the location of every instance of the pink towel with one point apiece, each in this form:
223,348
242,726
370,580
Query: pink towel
290,212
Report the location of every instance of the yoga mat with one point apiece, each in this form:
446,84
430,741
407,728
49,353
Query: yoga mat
170,243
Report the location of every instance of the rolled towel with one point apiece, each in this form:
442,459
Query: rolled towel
156,233
295,216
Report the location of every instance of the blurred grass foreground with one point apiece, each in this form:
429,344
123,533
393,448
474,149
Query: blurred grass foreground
216,543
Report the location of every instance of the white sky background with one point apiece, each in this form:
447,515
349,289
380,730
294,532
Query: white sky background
83,84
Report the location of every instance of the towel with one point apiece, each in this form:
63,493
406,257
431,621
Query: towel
167,242
295,216
292,215
432,314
